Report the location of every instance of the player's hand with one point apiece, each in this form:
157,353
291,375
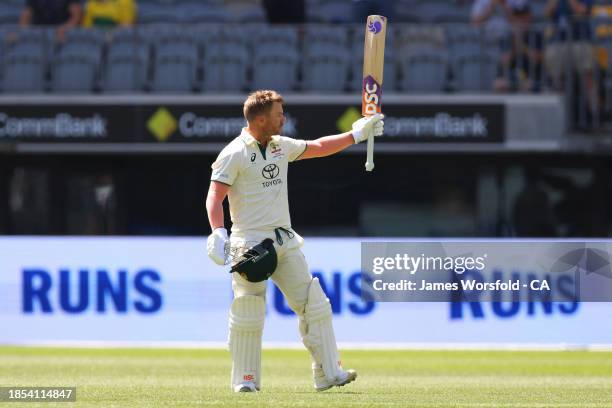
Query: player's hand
216,244
368,126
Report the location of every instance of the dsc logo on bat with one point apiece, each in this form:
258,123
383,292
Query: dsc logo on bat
372,92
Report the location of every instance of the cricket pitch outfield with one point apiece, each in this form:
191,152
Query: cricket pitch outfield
390,378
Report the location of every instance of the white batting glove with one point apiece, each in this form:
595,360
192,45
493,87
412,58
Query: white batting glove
216,246
368,126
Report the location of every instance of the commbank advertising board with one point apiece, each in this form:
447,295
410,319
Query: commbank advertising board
212,122
166,290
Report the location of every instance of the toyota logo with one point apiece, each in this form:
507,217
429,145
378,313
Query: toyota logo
270,171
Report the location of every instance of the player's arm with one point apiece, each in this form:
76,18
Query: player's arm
216,243
328,145
217,192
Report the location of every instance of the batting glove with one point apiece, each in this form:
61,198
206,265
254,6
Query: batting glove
368,126
216,246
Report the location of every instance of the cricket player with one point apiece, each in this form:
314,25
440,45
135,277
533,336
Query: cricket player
252,171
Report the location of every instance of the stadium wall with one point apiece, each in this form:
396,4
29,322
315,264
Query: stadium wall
166,291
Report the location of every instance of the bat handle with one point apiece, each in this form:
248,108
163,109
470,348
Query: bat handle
369,166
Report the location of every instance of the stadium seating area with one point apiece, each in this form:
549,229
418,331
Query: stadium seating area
250,11
187,46
238,57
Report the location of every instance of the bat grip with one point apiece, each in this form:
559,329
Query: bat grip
369,166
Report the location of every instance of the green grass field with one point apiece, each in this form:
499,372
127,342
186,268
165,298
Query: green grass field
190,378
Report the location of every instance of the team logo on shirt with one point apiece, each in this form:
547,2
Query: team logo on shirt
274,147
270,171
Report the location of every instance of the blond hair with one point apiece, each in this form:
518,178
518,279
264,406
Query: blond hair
259,103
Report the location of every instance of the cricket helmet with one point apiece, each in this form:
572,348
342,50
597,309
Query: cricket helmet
258,262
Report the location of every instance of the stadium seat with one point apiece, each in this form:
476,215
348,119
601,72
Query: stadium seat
170,42
326,72
475,73
174,74
425,72
464,41
90,36
72,73
275,72
286,35
83,43
328,35
332,11
430,10
202,13
277,49
225,68
276,42
30,42
224,74
153,13
461,50
411,39
10,12
171,49
253,14
237,7
127,42
23,74
406,12
128,35
326,58
453,14
125,73
234,34
537,10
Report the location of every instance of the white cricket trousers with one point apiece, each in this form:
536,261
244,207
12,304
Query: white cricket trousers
291,276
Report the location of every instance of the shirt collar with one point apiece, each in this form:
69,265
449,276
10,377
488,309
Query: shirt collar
247,137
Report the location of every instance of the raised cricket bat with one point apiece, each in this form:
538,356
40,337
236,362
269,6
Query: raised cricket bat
373,64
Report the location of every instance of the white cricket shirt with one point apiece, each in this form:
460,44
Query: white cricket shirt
258,198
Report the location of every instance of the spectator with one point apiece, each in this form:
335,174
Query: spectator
283,11
363,8
489,15
570,41
533,211
521,61
109,13
583,210
65,14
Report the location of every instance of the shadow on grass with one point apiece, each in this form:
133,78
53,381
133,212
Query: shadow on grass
328,392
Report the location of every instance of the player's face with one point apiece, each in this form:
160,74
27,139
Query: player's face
275,119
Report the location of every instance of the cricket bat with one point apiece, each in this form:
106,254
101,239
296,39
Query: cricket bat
373,64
